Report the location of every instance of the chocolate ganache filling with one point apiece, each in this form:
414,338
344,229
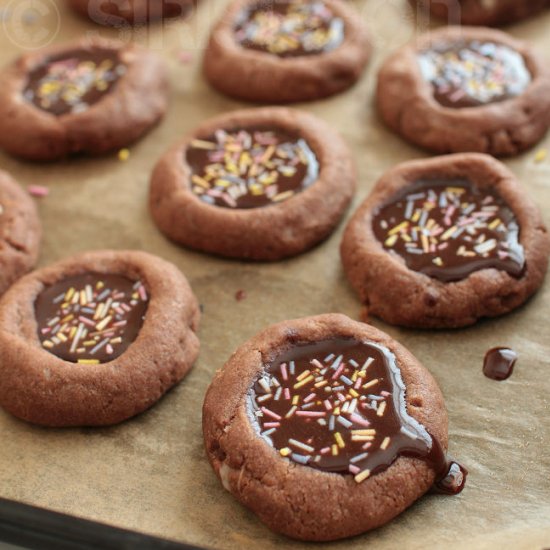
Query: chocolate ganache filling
339,406
471,74
448,229
90,318
73,81
289,28
250,167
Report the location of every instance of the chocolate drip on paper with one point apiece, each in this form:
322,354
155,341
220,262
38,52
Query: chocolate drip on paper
499,363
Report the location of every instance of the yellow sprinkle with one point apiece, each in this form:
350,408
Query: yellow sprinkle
285,452
303,375
47,344
448,233
367,431
61,336
385,443
339,440
373,382
456,190
123,155
495,223
438,261
197,180
361,476
334,450
295,399
202,144
381,409
100,285
304,382
321,384
541,155
353,392
70,294
390,241
337,411
103,323
398,228
88,361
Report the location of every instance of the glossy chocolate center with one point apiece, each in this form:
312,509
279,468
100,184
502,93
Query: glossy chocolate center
470,74
250,167
448,229
73,81
90,318
338,406
499,363
289,28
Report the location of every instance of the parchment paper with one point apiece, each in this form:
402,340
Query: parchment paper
150,473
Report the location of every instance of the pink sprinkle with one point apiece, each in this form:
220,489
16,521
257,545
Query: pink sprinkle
316,363
354,469
286,393
358,383
341,396
109,349
359,420
310,397
339,371
86,321
385,393
38,190
328,405
284,373
271,413
271,424
502,255
366,446
46,330
142,293
312,414
324,450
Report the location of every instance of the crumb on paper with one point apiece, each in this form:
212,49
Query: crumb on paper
240,295
124,155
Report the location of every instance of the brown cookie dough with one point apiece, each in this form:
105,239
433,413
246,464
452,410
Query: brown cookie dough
118,13
444,242
20,232
258,184
91,96
326,428
284,51
483,12
466,89
95,339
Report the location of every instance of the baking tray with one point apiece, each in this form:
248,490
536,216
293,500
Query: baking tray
150,475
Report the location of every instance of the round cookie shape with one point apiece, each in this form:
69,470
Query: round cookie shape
483,12
20,232
245,184
133,12
284,51
466,89
280,435
95,339
91,97
441,243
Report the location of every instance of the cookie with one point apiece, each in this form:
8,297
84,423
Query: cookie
466,90
444,242
281,51
20,232
95,339
326,428
134,12
257,184
483,12
91,96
